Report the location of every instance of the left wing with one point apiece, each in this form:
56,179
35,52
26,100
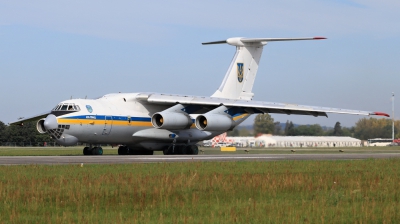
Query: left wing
250,106
32,118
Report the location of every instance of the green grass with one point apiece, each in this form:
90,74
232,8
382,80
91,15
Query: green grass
77,151
362,191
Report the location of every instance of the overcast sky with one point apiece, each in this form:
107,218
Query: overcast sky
52,50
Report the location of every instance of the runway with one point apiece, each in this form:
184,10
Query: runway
115,159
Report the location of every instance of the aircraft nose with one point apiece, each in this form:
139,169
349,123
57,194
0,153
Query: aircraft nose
50,122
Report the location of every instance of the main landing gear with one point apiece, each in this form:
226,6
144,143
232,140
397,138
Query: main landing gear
181,150
93,151
125,150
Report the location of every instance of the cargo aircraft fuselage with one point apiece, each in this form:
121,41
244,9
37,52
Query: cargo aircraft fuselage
141,123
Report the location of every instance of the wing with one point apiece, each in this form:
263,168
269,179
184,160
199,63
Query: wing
249,106
32,118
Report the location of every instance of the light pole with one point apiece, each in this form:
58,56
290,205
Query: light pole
392,116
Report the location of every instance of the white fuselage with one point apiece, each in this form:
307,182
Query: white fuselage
115,118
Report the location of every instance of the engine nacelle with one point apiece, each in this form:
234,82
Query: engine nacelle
214,122
171,120
40,126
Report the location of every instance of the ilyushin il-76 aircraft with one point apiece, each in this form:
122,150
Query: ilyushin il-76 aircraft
141,123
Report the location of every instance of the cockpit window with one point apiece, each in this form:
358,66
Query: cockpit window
66,107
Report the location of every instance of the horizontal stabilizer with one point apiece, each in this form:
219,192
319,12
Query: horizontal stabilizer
237,41
215,42
252,40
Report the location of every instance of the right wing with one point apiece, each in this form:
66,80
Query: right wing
249,106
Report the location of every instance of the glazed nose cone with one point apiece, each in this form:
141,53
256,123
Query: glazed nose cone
50,122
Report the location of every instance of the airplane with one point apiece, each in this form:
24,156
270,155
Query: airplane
144,122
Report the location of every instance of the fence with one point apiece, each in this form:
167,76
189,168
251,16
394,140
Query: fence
29,144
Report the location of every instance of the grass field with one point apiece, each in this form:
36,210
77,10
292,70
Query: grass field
362,191
77,151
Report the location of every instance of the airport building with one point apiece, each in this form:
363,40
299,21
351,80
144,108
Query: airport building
307,141
283,141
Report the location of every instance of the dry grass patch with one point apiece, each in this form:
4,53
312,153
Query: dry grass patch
203,192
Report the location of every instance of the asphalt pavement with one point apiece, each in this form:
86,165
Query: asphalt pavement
116,159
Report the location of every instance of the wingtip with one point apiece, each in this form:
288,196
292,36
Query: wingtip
380,114
320,38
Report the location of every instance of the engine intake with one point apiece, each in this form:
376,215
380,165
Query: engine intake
214,122
174,118
170,120
40,126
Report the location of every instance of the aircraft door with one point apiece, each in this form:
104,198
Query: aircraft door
108,121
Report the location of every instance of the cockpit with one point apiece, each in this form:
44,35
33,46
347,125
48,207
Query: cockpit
67,107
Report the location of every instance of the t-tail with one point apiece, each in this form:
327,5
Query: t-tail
239,79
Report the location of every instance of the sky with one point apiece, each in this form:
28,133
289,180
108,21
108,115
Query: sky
51,51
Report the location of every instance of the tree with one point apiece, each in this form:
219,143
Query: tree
277,128
308,130
234,132
375,128
337,130
24,134
290,129
244,132
3,130
263,124
285,132
348,131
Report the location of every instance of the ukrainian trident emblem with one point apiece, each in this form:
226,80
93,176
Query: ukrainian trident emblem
240,71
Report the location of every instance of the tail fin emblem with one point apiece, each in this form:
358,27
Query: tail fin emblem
240,71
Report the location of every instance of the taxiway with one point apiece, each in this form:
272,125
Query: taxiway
114,159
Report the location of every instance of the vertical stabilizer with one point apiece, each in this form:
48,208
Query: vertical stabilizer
239,79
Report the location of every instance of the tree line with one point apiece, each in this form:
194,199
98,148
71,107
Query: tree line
365,128
26,134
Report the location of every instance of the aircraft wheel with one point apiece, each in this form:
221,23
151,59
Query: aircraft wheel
189,149
97,151
123,150
195,150
180,150
87,151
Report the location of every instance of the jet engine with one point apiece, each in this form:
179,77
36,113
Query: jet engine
173,118
40,126
215,120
